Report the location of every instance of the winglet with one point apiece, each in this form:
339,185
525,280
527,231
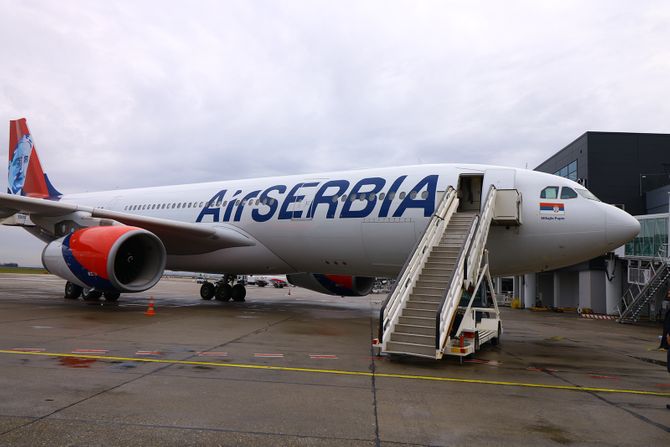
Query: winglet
25,176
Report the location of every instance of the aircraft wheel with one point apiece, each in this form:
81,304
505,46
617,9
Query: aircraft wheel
112,296
72,291
224,292
207,291
91,295
239,292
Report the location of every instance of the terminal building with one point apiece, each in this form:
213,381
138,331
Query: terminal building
630,171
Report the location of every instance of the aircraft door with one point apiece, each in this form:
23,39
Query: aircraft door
470,192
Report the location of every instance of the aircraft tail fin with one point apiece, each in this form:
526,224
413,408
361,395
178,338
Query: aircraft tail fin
25,176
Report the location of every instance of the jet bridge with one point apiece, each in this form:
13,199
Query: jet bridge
423,316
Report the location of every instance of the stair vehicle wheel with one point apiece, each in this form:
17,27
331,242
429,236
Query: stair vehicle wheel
72,291
224,292
495,341
91,295
476,341
112,296
207,291
239,292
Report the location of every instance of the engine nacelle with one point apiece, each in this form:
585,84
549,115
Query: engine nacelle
342,285
114,258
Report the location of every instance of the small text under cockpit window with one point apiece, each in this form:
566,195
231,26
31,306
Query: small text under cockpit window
568,193
550,192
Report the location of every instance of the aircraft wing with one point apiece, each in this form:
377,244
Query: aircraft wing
179,238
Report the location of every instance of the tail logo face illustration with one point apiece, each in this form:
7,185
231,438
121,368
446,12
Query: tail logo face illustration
25,174
18,164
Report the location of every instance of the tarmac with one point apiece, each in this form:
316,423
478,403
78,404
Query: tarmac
300,370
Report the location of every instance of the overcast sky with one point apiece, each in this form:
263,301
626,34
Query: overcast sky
131,94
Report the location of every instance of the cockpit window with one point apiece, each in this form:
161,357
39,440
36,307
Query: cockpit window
587,194
568,193
550,192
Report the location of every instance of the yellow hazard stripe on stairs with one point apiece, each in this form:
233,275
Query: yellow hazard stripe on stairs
341,372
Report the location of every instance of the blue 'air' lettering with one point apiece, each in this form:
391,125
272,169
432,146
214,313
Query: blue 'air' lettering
211,208
363,194
229,208
240,208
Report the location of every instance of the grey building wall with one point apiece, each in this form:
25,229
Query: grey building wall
657,200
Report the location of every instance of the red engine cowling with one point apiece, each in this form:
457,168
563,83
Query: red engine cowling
120,258
342,285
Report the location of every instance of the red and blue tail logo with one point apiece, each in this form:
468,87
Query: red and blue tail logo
26,177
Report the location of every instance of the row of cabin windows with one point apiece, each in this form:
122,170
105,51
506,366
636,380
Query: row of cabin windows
551,192
271,201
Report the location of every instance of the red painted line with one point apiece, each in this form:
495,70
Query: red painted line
212,354
277,356
90,351
663,385
28,349
148,353
322,356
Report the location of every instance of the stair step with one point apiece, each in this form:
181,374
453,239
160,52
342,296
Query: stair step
417,321
434,284
425,305
417,339
397,347
407,312
416,329
425,290
424,298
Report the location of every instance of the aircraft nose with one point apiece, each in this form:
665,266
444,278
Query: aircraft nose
621,226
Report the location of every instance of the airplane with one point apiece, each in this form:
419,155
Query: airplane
332,232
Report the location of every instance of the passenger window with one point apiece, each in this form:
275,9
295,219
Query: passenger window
402,195
550,192
381,196
568,193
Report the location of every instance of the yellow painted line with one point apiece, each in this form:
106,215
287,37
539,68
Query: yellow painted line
340,372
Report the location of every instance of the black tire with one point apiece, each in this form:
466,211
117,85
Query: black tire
239,292
476,342
495,341
91,295
112,296
72,291
224,292
207,291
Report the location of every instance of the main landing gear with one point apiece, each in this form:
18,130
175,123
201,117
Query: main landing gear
223,290
73,291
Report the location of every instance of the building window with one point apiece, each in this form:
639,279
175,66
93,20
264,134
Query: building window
568,171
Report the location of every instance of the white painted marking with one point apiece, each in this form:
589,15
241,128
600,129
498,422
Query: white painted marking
273,356
323,356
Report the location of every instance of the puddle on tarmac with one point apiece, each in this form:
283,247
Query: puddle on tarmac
74,362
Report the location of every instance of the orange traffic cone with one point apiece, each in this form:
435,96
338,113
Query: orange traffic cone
150,312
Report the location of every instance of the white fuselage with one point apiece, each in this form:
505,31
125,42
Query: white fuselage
310,223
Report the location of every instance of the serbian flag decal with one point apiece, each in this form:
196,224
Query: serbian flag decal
552,208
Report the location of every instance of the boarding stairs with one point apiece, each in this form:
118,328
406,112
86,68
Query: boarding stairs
638,296
417,317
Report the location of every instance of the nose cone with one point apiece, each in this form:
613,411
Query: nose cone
621,227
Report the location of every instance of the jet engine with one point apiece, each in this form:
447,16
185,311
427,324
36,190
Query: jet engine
107,258
342,285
